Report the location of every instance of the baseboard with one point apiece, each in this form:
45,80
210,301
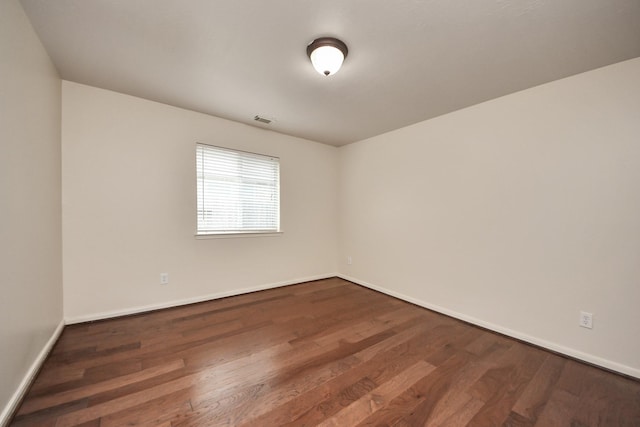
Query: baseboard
588,358
202,298
16,398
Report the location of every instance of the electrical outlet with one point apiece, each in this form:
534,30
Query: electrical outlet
164,278
349,261
586,320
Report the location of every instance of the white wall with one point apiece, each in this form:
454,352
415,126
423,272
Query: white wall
30,214
129,207
514,214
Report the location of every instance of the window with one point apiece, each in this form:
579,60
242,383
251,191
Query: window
238,192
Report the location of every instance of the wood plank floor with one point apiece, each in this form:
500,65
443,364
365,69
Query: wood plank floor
326,353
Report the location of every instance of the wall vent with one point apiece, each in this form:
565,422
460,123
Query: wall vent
262,119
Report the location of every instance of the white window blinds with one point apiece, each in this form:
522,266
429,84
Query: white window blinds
238,192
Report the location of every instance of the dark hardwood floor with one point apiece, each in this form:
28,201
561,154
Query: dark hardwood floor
327,353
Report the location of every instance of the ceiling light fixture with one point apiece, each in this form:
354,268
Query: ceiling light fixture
327,54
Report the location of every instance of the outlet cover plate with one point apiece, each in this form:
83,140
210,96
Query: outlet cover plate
586,320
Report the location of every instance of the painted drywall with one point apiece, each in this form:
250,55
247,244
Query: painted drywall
515,214
129,207
30,212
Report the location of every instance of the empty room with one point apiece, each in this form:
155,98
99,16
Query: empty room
337,213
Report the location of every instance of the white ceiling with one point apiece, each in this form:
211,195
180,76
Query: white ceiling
409,60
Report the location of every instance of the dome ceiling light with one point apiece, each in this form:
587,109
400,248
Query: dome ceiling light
327,54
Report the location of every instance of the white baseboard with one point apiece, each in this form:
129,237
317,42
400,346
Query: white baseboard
22,389
589,358
176,303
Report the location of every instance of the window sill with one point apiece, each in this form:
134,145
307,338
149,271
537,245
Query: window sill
236,235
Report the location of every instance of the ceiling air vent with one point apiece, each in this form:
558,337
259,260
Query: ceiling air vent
262,119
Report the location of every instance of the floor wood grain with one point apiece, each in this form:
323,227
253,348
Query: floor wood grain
326,353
